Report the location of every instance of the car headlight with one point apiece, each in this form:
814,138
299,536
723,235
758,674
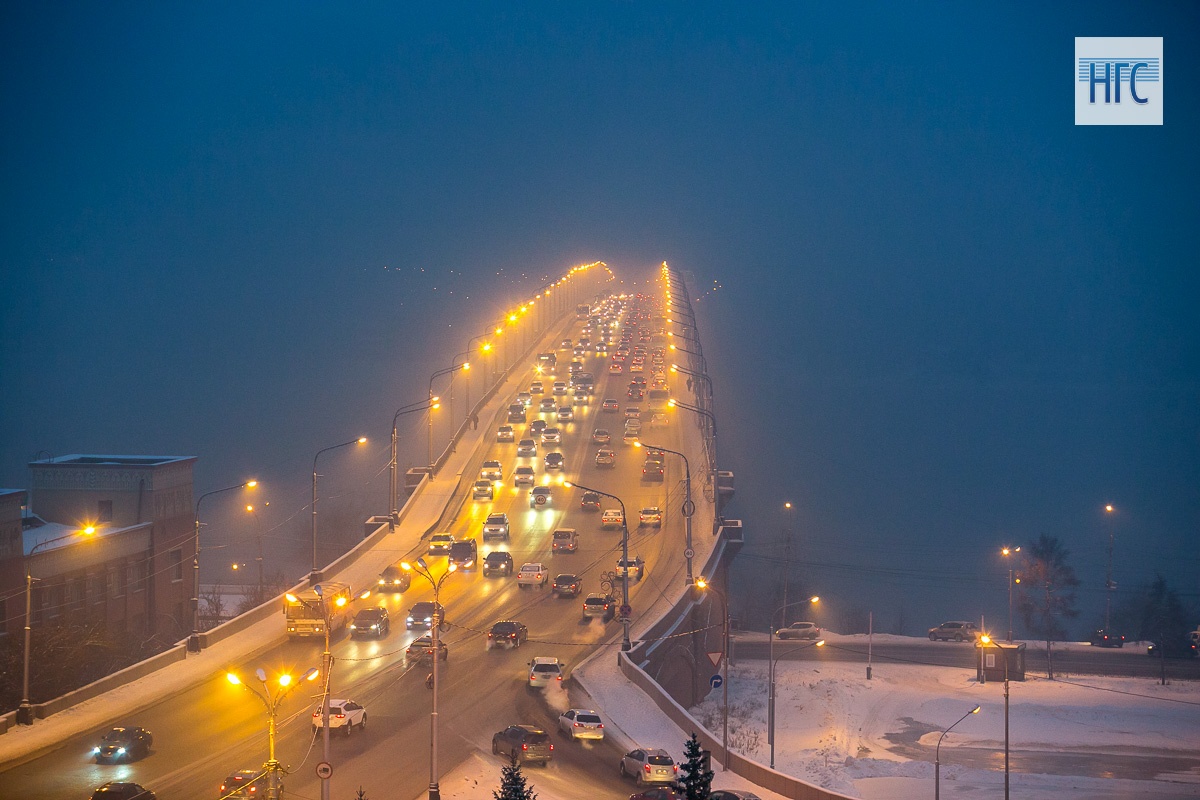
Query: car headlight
120,751
95,750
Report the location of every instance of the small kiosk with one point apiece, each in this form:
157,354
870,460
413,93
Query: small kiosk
992,658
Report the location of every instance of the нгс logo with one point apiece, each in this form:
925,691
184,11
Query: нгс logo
1118,81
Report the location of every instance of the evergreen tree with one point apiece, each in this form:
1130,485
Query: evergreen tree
696,780
1047,592
512,784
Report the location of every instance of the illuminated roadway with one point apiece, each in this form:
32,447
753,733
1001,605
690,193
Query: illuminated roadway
216,728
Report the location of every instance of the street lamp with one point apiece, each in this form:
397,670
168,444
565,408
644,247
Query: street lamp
691,374
673,403
272,703
432,377
422,569
705,585
689,507
772,663
25,710
985,640
193,644
771,672
260,597
314,575
937,764
626,644
1006,552
1109,586
420,405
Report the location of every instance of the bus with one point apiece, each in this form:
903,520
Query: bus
583,311
305,615
546,363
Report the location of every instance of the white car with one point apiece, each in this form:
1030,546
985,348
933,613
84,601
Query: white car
524,476
532,574
551,436
496,527
581,723
343,714
635,566
539,497
491,471
560,387
649,766
545,671
526,448
612,518
601,436
566,414
652,515
505,433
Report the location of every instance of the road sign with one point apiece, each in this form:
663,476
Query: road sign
689,553
715,681
626,611
540,500
324,770
689,507
715,658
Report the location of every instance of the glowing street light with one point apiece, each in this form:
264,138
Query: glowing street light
937,754
272,703
314,575
193,644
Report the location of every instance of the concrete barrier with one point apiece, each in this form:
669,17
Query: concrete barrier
138,670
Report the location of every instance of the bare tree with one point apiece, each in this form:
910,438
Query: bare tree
1047,592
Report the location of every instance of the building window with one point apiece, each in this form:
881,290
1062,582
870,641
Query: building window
97,587
57,600
175,565
77,593
104,511
120,581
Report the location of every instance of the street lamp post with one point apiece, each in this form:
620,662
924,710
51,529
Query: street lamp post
673,403
1109,586
420,405
272,703
937,755
985,640
771,670
314,575
25,710
626,644
689,507
773,662
1008,552
431,401
193,644
692,374
422,569
704,585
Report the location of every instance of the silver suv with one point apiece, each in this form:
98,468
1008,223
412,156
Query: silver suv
954,631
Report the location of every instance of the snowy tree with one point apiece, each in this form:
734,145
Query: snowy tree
1047,593
512,784
696,780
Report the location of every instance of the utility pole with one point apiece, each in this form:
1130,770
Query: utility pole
1109,586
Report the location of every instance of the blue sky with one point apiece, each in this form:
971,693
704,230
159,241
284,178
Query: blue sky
949,318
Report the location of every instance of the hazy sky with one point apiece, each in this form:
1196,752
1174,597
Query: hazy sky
949,318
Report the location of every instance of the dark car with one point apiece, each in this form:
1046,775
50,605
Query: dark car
394,579
1176,647
1103,638
590,501
464,553
245,783
507,633
123,790
421,615
732,794
525,743
371,622
657,793
497,562
123,744
566,585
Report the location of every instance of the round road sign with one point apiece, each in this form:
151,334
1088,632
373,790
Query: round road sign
689,553
715,681
324,770
626,611
689,507
540,500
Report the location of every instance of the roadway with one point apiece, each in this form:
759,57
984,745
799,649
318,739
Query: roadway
215,728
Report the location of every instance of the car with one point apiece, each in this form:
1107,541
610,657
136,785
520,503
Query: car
575,366
554,461
635,393
633,412
420,650
732,794
394,579
421,615
524,744
496,525
525,398
551,436
539,497
344,715
559,388
637,366
579,350
491,471
601,436
650,516
566,585
653,471
533,573
498,562
581,723
580,396
245,783
545,671
537,387
631,435
799,630
605,458
524,476
615,368
649,766
370,622
526,448
658,420
123,790
1103,638
566,414
590,501
506,633
954,631
505,433
610,406
1176,647
464,554
516,412
635,567
483,490
612,518
439,543
599,606
547,406
123,744
565,344
536,427
564,540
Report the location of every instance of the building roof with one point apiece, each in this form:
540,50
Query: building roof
55,535
79,459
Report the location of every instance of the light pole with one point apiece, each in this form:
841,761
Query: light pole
771,671
1007,552
422,569
420,405
626,644
771,692
193,644
673,403
272,703
314,575
689,507
1109,586
259,598
937,754
431,401
985,640
25,710
690,373
705,586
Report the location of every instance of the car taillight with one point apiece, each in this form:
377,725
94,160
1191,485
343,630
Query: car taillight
647,768
340,716
524,746
675,767
599,724
222,787
552,747
253,789
559,677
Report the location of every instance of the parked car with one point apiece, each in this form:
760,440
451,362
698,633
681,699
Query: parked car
564,540
525,743
599,606
612,518
344,716
245,783
506,633
649,766
394,579
545,671
496,527
532,574
421,615
581,723
799,630
123,744
1103,638
122,790
420,650
371,622
566,585
954,631
497,562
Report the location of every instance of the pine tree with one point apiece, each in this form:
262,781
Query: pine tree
696,780
512,784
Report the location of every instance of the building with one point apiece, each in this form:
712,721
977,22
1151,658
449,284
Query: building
107,539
